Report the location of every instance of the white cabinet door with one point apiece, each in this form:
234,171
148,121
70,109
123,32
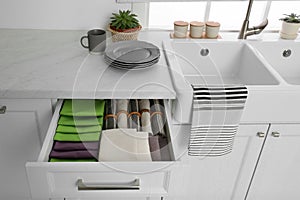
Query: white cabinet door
23,125
226,177
277,175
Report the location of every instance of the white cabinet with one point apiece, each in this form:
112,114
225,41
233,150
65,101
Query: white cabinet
23,125
277,175
226,177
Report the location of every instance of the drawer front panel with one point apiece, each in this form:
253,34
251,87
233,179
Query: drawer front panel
60,180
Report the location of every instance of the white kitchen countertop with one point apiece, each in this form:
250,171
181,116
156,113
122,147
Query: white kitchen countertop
53,64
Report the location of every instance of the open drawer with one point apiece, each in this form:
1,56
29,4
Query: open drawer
114,180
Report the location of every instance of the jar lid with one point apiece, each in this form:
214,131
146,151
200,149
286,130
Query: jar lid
196,23
213,24
181,23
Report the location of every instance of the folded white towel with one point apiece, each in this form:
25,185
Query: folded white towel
124,145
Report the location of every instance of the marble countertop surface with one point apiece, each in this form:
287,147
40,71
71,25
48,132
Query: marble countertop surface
53,64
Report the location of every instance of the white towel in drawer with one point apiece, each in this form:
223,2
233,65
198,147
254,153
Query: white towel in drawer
97,179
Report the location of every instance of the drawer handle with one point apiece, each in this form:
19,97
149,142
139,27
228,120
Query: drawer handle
133,185
2,109
261,134
275,134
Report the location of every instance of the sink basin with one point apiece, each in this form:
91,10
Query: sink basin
287,67
225,63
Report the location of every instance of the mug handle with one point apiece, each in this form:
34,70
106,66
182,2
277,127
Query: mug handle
81,41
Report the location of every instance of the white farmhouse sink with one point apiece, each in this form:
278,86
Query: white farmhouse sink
287,67
226,63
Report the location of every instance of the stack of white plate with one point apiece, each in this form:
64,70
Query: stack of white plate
131,54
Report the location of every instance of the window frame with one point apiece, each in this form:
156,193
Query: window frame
141,8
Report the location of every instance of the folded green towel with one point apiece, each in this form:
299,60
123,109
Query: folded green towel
72,160
74,137
83,107
80,121
78,129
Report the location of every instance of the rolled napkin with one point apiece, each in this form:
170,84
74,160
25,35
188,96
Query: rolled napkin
154,148
124,145
80,121
145,115
157,117
75,137
122,113
134,115
82,107
78,129
72,146
79,154
110,114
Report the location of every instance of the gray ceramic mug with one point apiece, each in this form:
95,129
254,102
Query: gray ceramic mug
96,41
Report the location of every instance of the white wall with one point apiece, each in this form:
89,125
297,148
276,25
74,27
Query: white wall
57,14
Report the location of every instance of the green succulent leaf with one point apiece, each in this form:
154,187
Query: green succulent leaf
291,18
124,20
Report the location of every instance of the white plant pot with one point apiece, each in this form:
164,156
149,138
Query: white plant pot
289,30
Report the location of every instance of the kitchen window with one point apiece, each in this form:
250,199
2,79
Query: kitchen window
161,15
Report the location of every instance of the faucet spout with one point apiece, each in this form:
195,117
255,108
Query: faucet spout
261,26
245,30
256,29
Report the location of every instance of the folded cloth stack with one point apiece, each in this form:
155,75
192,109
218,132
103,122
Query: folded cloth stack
131,145
124,145
78,131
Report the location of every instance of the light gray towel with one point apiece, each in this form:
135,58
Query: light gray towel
124,145
145,118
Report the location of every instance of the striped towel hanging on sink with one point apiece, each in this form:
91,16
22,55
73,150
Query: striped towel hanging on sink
217,111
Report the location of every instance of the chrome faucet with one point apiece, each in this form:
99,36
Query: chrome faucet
245,30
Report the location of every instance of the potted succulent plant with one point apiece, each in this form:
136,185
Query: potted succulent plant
124,26
290,26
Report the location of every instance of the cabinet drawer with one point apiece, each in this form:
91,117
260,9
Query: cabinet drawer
97,179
